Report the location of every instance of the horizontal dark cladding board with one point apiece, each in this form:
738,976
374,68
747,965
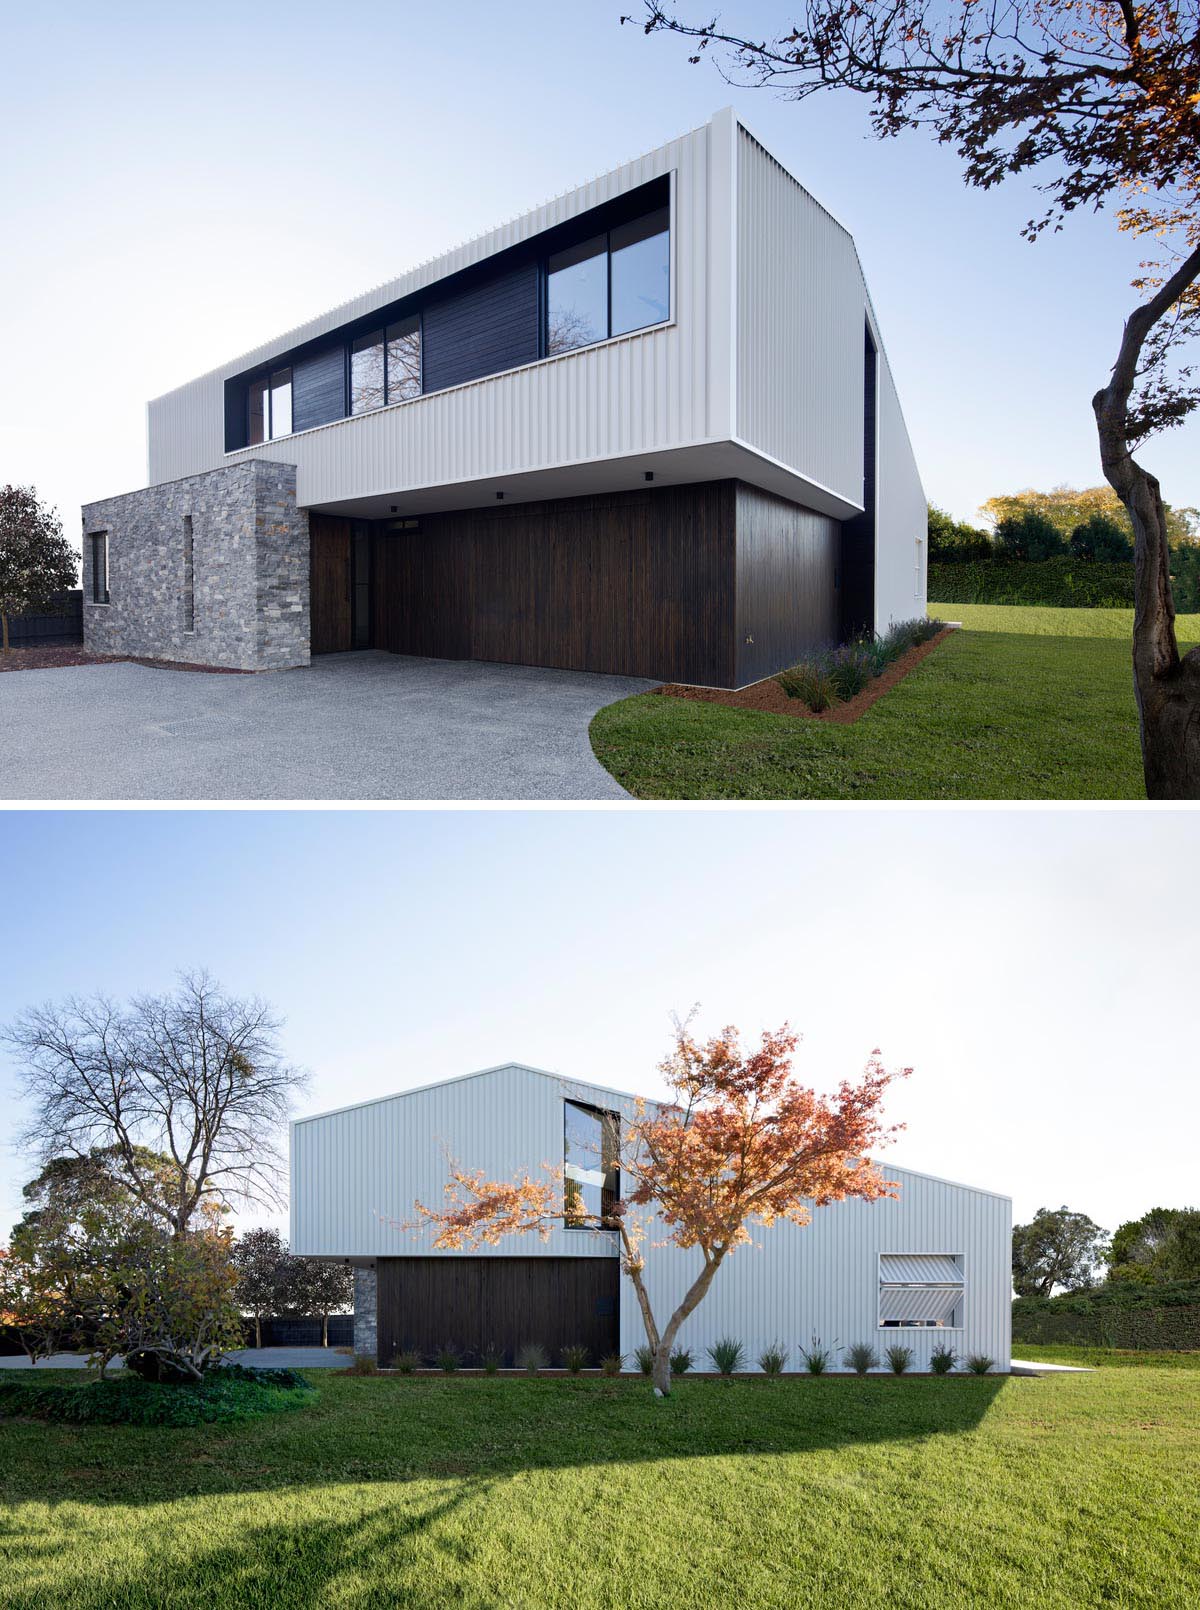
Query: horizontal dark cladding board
472,1304
483,330
319,388
631,583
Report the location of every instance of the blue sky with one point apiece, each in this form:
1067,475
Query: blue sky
1001,953
180,183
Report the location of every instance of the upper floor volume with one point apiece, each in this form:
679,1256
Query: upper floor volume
649,426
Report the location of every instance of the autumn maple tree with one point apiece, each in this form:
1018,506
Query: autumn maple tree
1101,99
739,1143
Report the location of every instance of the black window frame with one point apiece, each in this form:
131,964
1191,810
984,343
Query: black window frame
578,239
267,376
610,1124
99,543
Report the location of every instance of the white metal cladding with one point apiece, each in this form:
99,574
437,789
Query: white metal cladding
800,308
823,1280
899,1269
901,518
356,1173
644,392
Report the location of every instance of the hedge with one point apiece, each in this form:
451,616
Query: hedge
1170,1329
227,1393
1114,1294
1065,583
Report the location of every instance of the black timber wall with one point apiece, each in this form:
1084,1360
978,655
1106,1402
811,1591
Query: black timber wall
472,1304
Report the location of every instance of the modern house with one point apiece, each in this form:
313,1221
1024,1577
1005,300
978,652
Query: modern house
930,1267
646,428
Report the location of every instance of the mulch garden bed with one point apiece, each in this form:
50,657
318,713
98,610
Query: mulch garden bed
769,697
47,659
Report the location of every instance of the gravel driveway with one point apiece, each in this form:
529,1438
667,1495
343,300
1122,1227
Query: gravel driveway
352,726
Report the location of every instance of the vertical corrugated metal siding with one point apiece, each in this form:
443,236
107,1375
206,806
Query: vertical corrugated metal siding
823,1280
645,392
354,1171
800,298
901,514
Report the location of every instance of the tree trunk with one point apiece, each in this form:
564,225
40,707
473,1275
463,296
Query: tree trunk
4,627
662,1353
1167,687
324,1330
258,1330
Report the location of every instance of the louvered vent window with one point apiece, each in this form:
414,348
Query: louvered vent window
920,1290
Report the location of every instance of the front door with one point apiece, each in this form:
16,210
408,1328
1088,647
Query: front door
330,584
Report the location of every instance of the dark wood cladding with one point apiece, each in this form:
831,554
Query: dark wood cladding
787,565
630,583
319,387
329,583
482,330
235,415
472,1304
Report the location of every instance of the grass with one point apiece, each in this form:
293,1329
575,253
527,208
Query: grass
1105,1357
476,1493
1023,704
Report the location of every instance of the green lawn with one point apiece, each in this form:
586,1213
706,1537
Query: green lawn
546,1494
1023,704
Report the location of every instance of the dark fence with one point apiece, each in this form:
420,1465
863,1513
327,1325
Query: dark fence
61,624
281,1331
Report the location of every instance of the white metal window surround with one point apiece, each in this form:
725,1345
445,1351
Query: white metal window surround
919,1290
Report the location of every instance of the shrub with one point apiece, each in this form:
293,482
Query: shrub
224,1394
979,1363
362,1364
850,669
493,1358
1029,536
773,1359
612,1364
899,1358
1064,583
645,1359
817,1358
407,1361
681,1361
942,1360
448,1359
575,1358
949,539
861,1357
727,1355
532,1357
811,684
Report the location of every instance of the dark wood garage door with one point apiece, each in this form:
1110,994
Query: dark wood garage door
329,583
474,1303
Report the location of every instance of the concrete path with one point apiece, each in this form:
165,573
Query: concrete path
262,1358
351,726
1021,1366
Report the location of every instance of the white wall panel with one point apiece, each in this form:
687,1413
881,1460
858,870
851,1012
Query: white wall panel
800,309
901,566
823,1280
356,1173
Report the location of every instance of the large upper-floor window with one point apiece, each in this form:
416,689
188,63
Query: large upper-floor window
385,366
592,1180
610,284
270,399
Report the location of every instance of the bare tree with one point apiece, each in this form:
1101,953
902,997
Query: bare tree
195,1076
1102,99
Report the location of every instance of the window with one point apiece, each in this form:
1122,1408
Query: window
189,577
920,1291
270,401
919,567
641,273
404,360
367,381
610,284
591,1178
98,541
385,366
